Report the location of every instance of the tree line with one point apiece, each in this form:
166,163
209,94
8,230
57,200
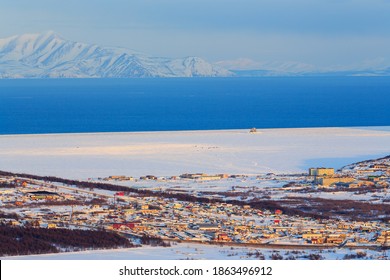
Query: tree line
16,240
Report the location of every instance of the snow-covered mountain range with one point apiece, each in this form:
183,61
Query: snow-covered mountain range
48,55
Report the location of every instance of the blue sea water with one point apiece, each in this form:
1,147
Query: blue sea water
116,105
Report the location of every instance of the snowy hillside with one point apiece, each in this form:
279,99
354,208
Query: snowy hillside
48,55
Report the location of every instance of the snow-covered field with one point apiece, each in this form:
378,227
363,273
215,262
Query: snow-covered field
198,252
83,156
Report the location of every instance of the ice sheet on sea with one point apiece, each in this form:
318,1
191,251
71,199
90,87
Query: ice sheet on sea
83,156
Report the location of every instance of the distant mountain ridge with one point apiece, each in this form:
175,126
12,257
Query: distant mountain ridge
244,67
48,55
346,73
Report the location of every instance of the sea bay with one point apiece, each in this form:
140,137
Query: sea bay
30,106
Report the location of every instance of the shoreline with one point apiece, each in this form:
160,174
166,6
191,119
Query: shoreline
372,127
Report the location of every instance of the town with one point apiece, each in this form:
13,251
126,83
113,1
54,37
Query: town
322,208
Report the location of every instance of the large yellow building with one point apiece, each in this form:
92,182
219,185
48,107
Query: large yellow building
321,172
326,177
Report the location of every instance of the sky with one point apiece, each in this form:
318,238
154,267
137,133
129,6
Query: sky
333,34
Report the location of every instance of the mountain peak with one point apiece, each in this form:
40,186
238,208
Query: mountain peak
51,35
32,36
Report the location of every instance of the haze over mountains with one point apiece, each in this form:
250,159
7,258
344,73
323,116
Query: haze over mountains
48,55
